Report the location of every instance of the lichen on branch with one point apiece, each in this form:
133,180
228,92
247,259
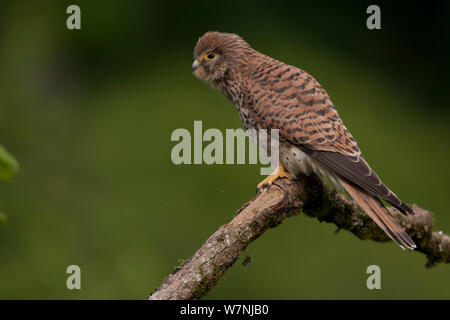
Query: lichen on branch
285,198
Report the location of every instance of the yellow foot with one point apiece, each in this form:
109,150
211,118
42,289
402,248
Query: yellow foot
279,173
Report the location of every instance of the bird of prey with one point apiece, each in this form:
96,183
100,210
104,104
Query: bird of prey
270,94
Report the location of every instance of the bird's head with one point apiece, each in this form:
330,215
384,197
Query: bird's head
218,55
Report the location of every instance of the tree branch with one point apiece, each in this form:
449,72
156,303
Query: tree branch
195,277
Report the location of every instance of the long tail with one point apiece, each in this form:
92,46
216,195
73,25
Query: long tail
380,214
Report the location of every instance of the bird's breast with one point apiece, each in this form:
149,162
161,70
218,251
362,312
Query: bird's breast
247,118
295,160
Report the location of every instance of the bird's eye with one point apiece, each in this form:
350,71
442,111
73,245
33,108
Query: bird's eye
209,56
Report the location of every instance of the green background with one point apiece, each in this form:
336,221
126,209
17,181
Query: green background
89,114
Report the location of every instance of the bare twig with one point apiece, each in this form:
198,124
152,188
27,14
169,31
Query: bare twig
195,277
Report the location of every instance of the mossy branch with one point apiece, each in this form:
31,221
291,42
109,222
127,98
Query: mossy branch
196,276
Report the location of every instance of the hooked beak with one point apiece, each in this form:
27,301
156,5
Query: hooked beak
195,64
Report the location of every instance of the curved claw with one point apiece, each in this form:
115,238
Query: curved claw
261,189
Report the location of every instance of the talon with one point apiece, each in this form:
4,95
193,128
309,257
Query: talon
279,173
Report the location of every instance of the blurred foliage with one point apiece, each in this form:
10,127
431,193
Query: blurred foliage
90,114
8,165
8,168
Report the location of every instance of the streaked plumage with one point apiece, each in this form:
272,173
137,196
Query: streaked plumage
270,94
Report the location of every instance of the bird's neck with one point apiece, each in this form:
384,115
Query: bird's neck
231,86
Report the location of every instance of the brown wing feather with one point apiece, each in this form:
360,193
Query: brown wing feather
296,104
356,170
294,101
379,214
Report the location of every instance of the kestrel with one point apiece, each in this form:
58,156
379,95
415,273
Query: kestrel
270,94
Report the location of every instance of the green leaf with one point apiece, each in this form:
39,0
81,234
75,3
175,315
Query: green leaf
8,165
3,218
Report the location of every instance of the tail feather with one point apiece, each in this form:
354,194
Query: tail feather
379,214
